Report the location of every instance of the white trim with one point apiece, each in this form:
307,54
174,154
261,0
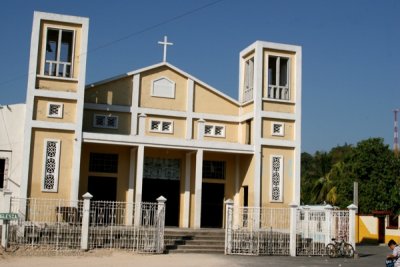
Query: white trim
55,94
139,181
106,124
298,92
278,115
56,165
281,169
155,141
281,130
160,128
57,78
171,89
278,142
52,125
60,110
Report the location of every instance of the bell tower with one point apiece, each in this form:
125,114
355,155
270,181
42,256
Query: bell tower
54,106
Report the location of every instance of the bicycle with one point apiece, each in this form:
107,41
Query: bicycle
339,248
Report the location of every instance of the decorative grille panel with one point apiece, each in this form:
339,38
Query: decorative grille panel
276,178
105,121
55,110
52,154
278,128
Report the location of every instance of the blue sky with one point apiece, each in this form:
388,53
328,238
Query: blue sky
351,59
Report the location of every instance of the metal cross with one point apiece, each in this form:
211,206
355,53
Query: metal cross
165,43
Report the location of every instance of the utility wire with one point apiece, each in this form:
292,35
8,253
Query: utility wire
149,28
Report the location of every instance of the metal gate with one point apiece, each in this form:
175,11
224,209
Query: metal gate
316,228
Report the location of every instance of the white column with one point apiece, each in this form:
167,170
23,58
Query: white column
142,124
306,221
85,221
135,103
189,108
131,186
352,225
328,221
5,208
293,229
200,129
229,210
139,183
186,194
198,188
236,198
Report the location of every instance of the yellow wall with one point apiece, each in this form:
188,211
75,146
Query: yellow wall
269,105
37,163
146,100
206,101
248,108
40,110
231,131
118,92
179,127
288,175
288,132
124,122
246,174
122,175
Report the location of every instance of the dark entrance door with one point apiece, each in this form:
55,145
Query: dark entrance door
381,229
153,188
103,188
212,201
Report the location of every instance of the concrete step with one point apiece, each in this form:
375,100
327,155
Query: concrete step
194,241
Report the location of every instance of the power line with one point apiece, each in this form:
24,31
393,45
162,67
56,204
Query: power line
149,28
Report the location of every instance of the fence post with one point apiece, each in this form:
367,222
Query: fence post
228,225
160,222
85,221
6,208
293,229
352,225
328,221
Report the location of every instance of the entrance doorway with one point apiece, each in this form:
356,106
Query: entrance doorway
103,188
153,188
212,205
381,230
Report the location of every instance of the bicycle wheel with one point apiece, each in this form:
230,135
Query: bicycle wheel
348,250
330,250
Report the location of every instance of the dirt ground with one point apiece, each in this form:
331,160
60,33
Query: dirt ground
368,256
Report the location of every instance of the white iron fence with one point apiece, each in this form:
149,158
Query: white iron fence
257,231
286,231
61,225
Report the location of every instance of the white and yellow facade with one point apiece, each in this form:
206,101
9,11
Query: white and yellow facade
159,130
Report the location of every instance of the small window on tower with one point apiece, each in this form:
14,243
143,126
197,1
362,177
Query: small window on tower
214,130
55,110
278,129
161,126
105,121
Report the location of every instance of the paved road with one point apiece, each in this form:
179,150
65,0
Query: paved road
368,256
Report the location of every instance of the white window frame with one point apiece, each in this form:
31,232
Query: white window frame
248,85
213,126
167,94
60,110
280,200
282,132
56,167
58,62
160,126
105,126
6,169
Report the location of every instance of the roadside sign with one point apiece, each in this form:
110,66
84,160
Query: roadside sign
8,216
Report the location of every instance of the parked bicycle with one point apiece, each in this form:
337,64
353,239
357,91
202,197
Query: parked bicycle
339,249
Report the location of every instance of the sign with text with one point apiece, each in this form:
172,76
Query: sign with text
8,216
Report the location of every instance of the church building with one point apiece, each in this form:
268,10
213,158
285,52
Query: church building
159,130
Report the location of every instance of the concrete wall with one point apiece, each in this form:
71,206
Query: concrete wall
11,144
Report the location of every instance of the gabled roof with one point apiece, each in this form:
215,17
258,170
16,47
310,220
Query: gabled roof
166,64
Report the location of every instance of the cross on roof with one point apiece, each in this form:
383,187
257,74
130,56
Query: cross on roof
165,43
